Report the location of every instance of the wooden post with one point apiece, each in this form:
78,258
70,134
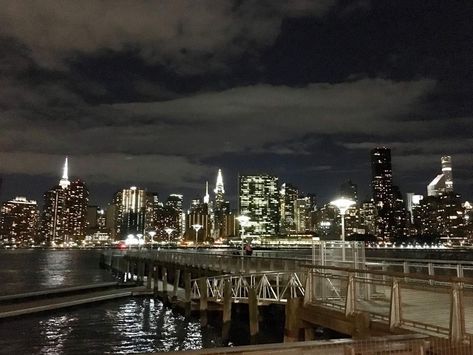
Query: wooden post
203,301
150,277
127,270
187,290
309,334
177,275
164,272
227,311
253,314
142,271
156,279
293,325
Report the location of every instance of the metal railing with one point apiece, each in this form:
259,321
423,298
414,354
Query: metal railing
412,297
436,305
229,263
270,287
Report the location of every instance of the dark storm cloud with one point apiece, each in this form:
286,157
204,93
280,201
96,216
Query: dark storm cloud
174,32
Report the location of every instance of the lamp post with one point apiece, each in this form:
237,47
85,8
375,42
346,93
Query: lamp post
197,228
151,235
343,204
169,231
140,240
243,221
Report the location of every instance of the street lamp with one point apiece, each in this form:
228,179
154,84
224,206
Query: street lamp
169,231
343,204
197,228
152,234
141,241
243,221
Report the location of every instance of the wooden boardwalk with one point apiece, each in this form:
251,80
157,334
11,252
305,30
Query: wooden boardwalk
47,300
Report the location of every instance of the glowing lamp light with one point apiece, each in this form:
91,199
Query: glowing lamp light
343,204
131,240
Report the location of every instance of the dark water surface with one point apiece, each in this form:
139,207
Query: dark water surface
128,325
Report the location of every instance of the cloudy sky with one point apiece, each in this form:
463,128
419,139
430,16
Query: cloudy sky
161,94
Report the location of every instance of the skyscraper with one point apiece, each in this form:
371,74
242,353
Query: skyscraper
19,219
349,190
442,183
65,211
288,196
392,216
381,181
130,211
259,200
220,209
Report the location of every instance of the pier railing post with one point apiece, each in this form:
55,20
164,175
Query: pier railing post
350,303
395,308
457,314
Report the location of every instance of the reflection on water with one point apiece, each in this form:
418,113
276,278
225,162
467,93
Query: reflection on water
122,326
55,269
134,325
55,331
129,325
30,270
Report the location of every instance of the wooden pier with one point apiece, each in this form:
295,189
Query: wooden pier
47,300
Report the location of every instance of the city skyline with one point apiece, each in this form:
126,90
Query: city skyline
203,193
301,90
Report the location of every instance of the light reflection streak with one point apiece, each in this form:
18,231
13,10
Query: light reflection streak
55,270
56,331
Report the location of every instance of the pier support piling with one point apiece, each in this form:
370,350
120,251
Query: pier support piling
253,314
187,290
293,325
203,301
177,275
227,311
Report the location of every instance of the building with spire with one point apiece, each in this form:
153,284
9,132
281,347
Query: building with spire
219,189
220,210
64,218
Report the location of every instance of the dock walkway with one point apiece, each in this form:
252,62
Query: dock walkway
47,300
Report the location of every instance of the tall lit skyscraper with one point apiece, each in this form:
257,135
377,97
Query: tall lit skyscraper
19,219
220,209
382,181
302,210
288,196
77,201
259,200
442,183
174,208
65,211
130,211
391,212
219,189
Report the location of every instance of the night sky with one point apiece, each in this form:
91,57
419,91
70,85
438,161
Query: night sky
160,94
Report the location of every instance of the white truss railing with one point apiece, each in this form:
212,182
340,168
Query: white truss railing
270,287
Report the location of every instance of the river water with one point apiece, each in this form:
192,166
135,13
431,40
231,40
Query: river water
129,325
